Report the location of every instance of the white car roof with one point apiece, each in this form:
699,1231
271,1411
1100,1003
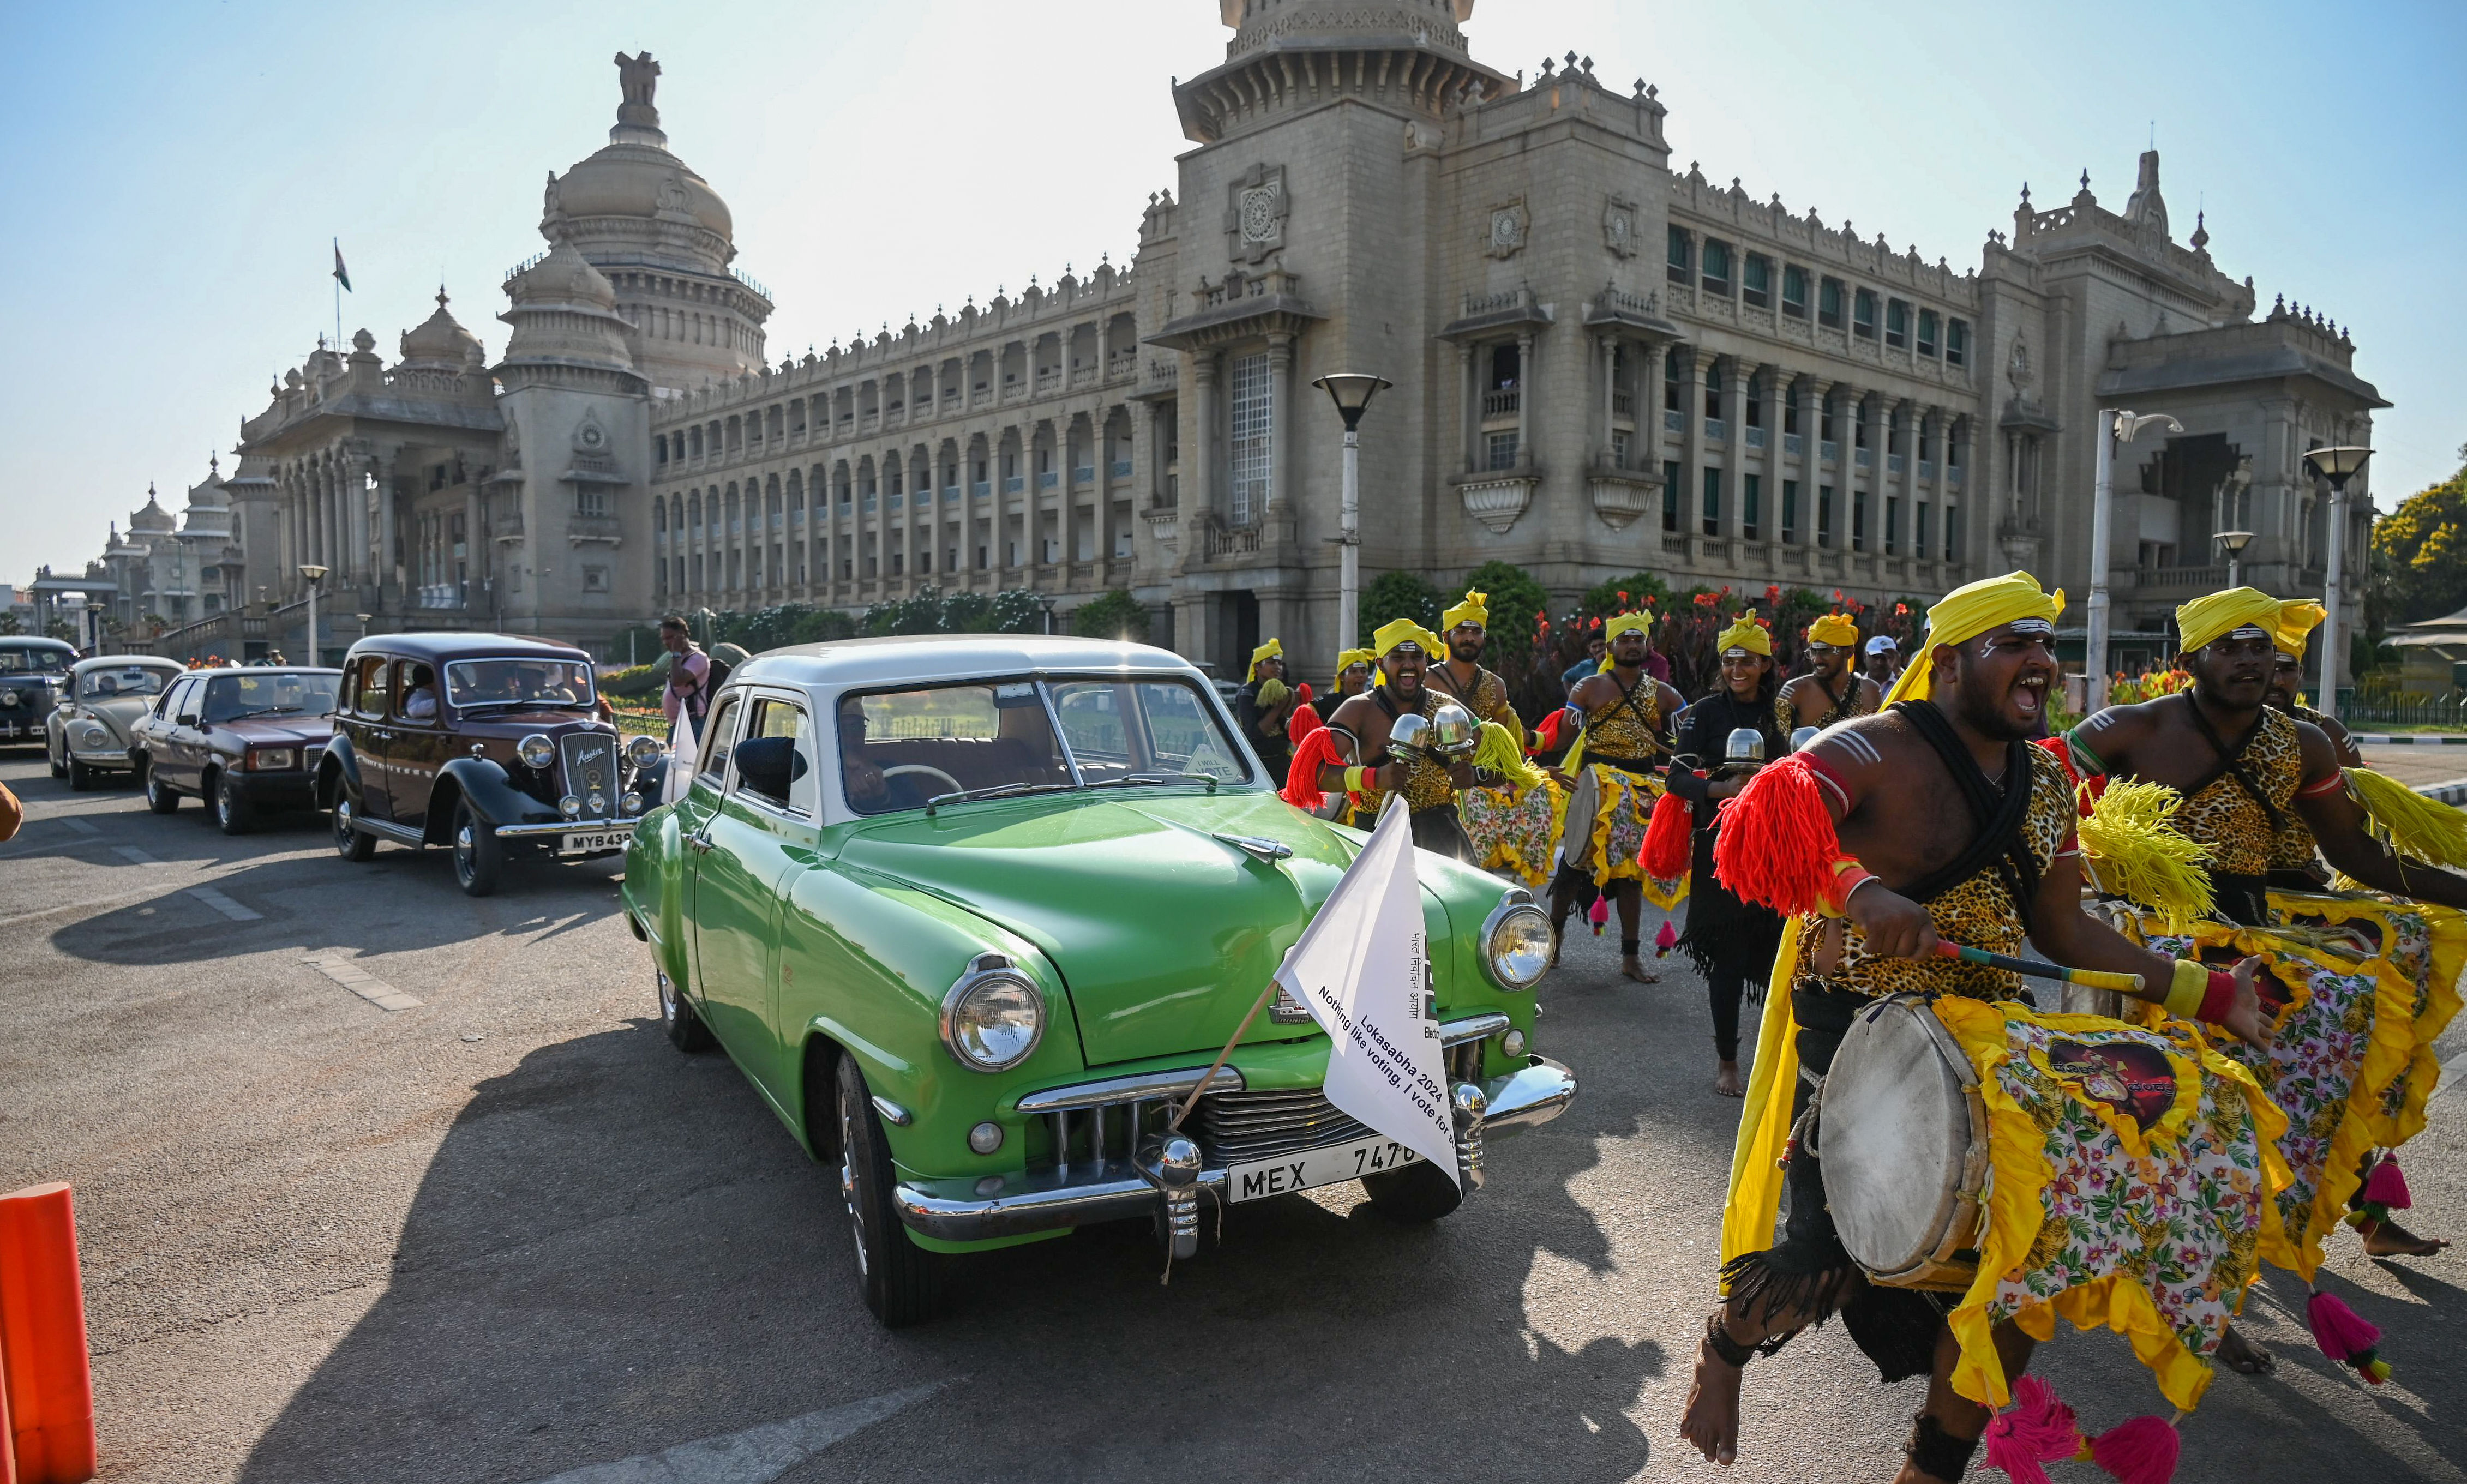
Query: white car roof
127,662
925,659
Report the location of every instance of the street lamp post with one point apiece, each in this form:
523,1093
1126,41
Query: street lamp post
2234,542
2337,465
313,574
1352,391
2115,425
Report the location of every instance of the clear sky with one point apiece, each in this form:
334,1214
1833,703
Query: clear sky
174,170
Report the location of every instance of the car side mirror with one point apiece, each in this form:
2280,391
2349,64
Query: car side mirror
768,765
187,718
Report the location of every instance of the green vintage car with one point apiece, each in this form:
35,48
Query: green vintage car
975,914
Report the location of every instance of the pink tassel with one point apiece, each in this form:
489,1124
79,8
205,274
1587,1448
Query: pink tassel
1598,913
2387,1186
2037,1429
2346,1336
1664,940
2139,1451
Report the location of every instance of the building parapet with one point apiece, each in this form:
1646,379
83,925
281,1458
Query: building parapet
1693,197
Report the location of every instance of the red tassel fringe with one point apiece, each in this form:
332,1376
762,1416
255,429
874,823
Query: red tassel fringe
1665,856
1302,780
2141,1451
1303,721
1778,845
2037,1429
1664,940
1598,913
2386,1186
2346,1336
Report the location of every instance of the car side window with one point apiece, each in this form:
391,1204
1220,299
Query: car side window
414,686
717,734
775,716
177,701
375,695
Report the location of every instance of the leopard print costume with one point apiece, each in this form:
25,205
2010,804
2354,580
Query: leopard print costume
1786,709
1615,732
1488,701
2231,821
1980,912
1427,784
2296,849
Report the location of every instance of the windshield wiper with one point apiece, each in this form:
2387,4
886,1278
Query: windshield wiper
261,711
1129,778
538,700
997,791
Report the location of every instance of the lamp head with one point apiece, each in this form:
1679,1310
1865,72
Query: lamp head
2235,541
1352,391
2337,464
312,571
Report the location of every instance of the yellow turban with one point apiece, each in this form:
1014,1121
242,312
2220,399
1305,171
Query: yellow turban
1405,630
1346,660
1745,634
1475,608
1838,629
2298,618
1624,624
2206,619
1969,611
1273,648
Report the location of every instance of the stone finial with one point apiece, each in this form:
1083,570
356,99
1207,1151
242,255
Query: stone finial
2085,177
362,341
2201,231
1548,66
1589,66
2025,193
1639,87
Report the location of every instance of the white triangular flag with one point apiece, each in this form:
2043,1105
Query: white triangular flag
682,752
1359,969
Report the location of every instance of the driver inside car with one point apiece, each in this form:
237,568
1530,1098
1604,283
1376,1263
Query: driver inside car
421,704
867,790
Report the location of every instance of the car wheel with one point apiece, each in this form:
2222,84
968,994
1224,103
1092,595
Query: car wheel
350,844
81,776
479,857
1415,1194
902,1281
232,813
51,754
159,795
686,1029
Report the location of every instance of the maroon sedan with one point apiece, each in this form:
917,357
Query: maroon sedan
242,739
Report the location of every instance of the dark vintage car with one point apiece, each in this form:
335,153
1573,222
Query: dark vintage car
487,743
241,739
33,672
89,734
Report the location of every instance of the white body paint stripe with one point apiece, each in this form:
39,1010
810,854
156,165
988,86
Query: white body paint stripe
1854,743
758,1454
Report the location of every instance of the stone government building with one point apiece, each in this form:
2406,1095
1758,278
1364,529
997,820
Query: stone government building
1601,364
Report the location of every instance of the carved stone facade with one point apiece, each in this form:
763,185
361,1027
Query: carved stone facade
1601,364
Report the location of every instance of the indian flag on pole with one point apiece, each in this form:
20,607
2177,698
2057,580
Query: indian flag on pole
341,275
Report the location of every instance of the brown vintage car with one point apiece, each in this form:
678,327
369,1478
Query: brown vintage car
243,739
487,743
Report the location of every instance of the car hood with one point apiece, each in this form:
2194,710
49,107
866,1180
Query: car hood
118,716
278,730
1163,935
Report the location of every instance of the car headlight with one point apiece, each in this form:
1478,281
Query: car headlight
644,750
1516,943
94,736
536,751
265,757
629,803
993,1017
569,807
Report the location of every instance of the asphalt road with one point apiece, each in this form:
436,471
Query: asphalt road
506,1233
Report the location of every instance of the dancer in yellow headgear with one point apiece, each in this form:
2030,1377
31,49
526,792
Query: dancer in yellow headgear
1371,769
1264,706
1971,610
1347,683
1624,713
1457,671
1832,690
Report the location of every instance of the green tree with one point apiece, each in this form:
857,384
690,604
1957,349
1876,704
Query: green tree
1017,611
2420,552
1115,614
1398,595
1608,599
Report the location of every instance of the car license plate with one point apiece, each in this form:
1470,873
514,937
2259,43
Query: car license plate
585,841
1314,1167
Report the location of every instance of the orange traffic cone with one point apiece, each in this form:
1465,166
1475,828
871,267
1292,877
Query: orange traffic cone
43,1357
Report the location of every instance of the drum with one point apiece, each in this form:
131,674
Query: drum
1584,804
1903,1135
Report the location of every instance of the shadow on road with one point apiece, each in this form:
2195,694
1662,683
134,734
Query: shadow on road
616,1248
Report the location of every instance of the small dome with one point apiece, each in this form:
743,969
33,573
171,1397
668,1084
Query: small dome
440,343
152,518
562,277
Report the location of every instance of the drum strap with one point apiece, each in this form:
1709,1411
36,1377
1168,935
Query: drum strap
1628,701
2230,762
1999,817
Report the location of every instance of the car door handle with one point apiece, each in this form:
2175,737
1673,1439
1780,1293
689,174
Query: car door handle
701,844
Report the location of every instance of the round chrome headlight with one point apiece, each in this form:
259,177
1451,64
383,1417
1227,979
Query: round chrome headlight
94,736
536,751
993,1017
569,807
643,751
629,803
1516,944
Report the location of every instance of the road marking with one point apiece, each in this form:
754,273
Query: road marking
225,905
756,1455
134,856
360,981
78,826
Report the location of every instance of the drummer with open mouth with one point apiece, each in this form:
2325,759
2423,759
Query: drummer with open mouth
1625,715
1933,820
1362,726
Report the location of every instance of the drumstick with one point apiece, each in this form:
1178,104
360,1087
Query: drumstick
2092,978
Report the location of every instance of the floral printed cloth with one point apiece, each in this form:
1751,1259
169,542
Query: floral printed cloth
1514,832
2131,1174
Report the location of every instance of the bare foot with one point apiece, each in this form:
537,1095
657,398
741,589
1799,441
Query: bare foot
1710,1424
2243,1357
2389,1239
1634,968
1726,1081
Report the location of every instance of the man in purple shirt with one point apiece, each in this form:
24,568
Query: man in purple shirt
687,673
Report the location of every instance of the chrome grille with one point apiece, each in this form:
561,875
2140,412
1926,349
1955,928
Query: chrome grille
590,767
1235,1128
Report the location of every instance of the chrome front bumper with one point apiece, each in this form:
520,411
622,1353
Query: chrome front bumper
564,827
964,1209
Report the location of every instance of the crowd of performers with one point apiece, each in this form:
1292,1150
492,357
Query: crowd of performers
2245,946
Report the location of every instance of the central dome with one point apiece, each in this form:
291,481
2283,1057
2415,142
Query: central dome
634,202
1260,23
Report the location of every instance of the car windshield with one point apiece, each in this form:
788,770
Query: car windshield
550,683
20,660
126,680
269,693
901,750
